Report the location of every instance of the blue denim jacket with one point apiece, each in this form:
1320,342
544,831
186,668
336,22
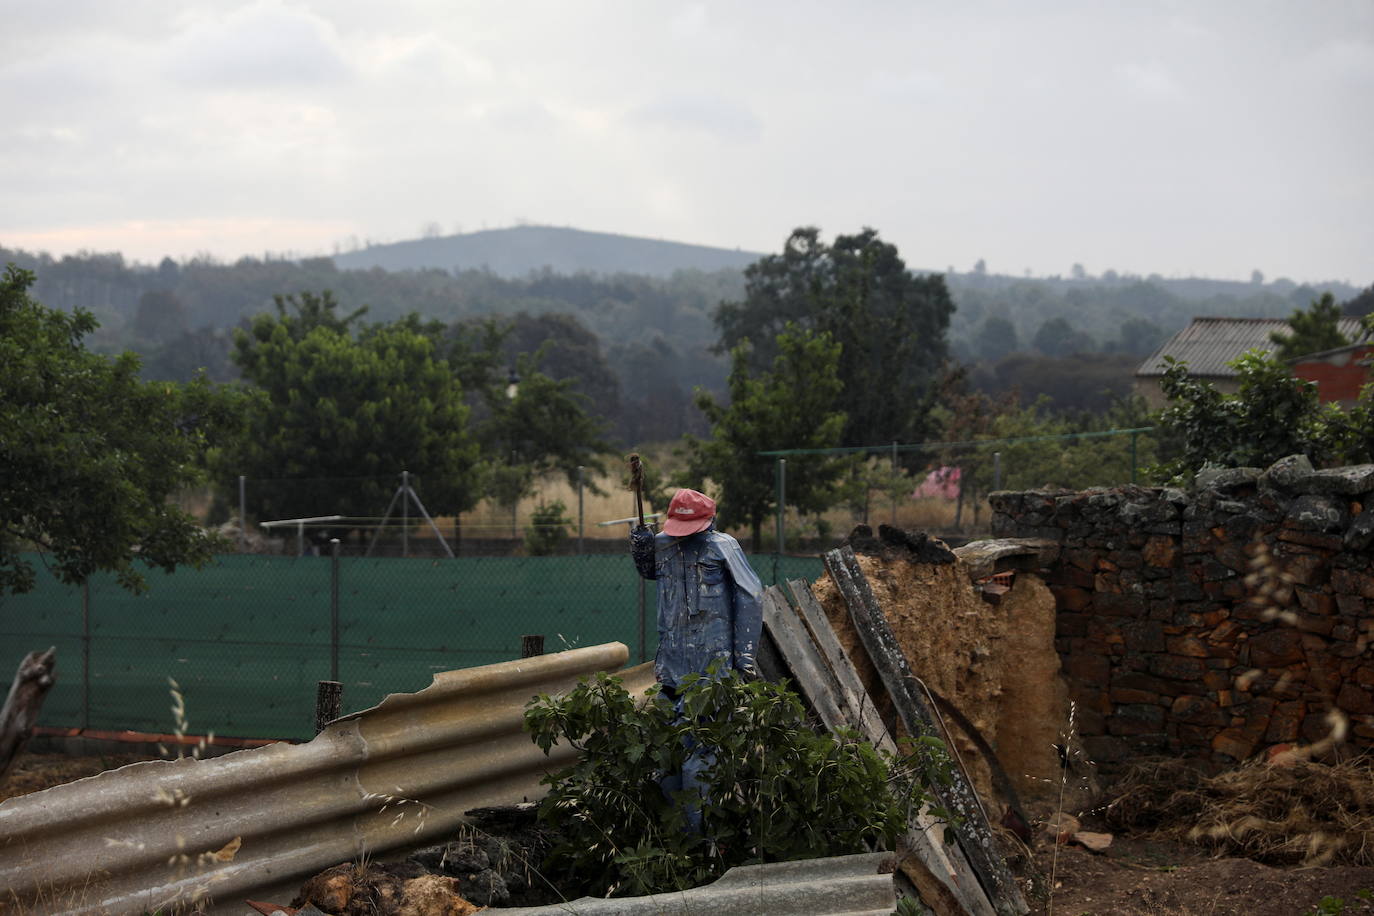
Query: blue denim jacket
708,604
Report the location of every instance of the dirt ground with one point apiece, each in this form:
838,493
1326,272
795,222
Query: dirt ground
33,772
1136,875
1149,877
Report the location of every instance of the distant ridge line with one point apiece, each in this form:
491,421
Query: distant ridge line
517,251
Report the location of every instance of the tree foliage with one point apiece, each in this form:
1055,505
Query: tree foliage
1049,447
890,325
1057,337
90,454
1271,415
1073,383
776,790
996,338
1313,330
542,426
791,405
344,413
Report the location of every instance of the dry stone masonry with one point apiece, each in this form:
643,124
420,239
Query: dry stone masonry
1168,642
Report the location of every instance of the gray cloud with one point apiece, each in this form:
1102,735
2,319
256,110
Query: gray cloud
263,46
1164,136
716,116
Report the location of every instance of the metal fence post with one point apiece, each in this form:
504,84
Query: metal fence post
86,653
334,609
405,513
243,512
894,487
997,470
580,516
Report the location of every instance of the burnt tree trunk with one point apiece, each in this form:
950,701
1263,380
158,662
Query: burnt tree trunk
31,684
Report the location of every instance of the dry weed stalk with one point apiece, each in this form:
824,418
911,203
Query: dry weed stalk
1271,586
1059,806
1302,813
181,725
1291,810
400,801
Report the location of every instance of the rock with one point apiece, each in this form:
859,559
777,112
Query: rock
1225,479
1195,710
383,890
1093,842
1360,534
1177,668
1311,512
1346,481
1234,743
1285,722
1061,827
1159,552
1285,473
1276,648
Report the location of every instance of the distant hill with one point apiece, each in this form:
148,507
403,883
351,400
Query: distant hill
515,252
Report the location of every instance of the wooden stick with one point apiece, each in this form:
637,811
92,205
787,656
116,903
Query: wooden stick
32,681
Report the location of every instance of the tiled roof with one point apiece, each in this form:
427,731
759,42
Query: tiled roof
1208,344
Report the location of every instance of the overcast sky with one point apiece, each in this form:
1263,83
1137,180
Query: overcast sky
1189,138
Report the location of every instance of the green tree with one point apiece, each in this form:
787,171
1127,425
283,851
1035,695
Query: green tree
1057,337
537,426
345,413
90,454
1271,415
1361,306
160,317
1139,337
889,322
997,338
1313,330
790,406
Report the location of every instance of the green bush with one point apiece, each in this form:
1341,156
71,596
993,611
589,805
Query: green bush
548,529
777,789
1270,416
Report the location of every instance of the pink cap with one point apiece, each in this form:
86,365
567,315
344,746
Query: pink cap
688,513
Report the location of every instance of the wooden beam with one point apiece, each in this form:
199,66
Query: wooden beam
794,644
972,832
939,872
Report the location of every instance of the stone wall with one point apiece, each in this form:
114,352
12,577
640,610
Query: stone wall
1167,641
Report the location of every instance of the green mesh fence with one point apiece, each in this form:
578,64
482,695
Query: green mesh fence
248,637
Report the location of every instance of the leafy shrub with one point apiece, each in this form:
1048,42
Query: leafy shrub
776,790
548,529
1271,415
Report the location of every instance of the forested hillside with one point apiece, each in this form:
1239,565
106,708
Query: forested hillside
637,345
517,251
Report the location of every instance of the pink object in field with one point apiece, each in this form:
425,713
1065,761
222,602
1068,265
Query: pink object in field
941,483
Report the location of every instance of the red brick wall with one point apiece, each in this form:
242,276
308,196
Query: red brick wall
1340,377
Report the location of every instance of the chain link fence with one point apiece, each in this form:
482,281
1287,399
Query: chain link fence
942,487
382,602
248,638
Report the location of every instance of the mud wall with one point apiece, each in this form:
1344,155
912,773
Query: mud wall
994,662
1178,636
